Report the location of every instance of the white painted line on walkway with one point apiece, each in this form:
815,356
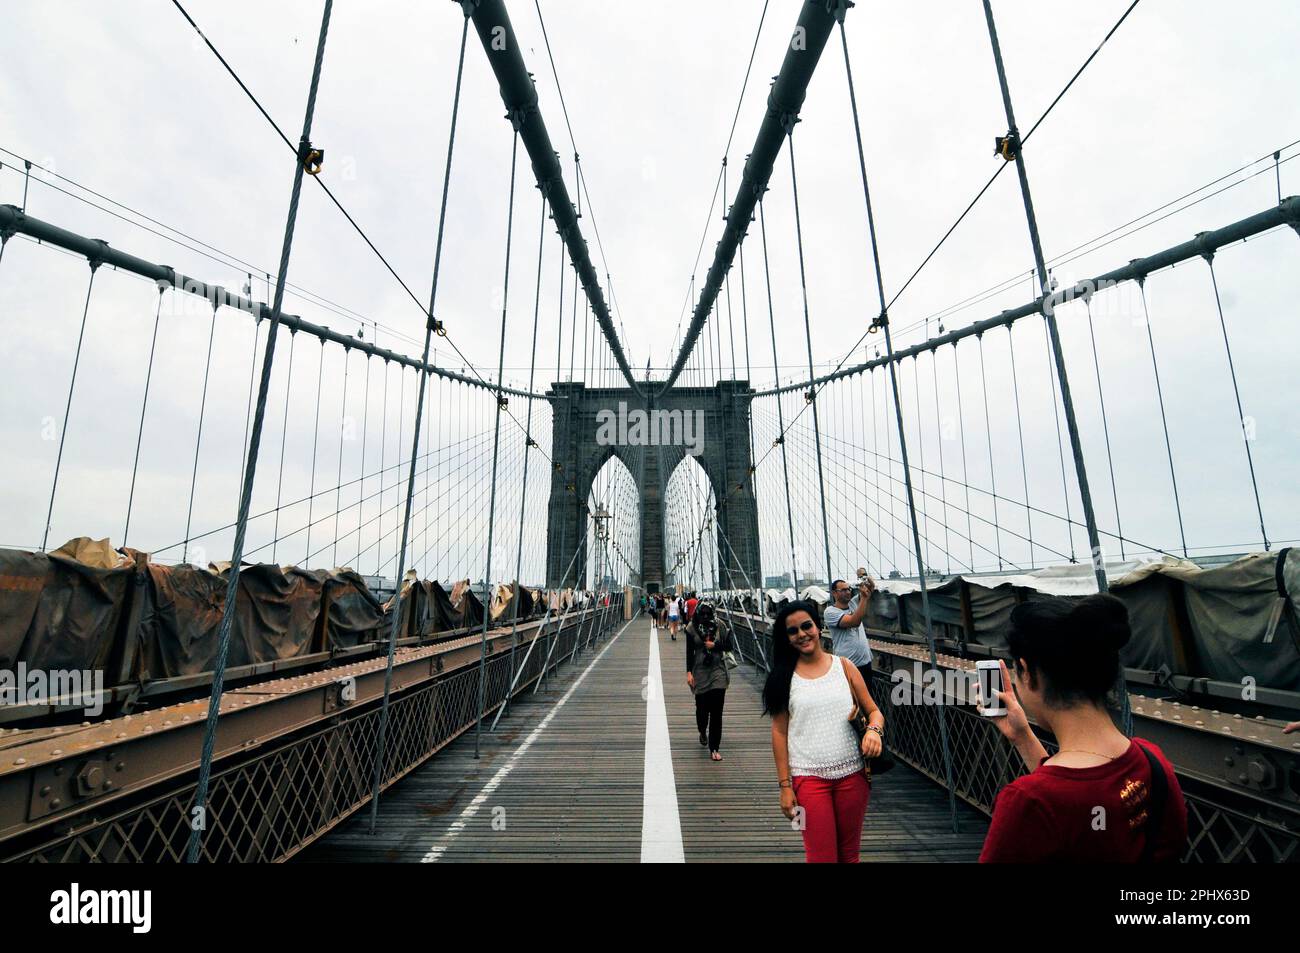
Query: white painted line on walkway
661,826
435,852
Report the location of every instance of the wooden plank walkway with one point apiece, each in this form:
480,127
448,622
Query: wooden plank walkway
562,779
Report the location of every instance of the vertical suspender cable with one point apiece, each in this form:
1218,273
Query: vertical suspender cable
361,489
199,808
338,483
807,330
198,439
431,325
496,449
252,379
284,433
902,436
943,489
1020,432
988,432
1236,392
1105,426
528,444
780,414
144,406
1053,333
67,410
315,442
1164,420
965,475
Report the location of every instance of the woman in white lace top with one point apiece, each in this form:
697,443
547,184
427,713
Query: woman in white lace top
819,759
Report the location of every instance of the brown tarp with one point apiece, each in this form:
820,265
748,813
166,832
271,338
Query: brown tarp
276,615
351,613
65,609
508,595
458,610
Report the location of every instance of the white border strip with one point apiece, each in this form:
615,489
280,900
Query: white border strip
661,827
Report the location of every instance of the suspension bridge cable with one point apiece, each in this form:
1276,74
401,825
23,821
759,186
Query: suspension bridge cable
284,430
902,437
199,809
210,252
144,406
758,32
496,446
338,483
1105,425
1020,433
1236,393
803,284
430,326
198,439
67,410
987,185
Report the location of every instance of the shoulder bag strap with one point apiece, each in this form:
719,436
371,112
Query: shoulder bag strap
1156,805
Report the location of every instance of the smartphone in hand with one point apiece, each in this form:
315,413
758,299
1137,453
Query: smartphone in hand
989,672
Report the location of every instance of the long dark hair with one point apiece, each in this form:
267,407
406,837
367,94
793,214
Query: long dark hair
783,656
1073,646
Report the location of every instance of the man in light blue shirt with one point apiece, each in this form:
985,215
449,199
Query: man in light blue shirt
844,623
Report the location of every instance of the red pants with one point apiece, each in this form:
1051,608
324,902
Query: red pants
833,815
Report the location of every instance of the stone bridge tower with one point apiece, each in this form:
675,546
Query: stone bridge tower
580,447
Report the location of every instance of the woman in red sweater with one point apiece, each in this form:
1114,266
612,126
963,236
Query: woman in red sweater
1099,798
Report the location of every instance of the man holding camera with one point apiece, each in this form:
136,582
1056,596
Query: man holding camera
844,622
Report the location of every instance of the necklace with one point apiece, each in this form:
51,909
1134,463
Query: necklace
1097,754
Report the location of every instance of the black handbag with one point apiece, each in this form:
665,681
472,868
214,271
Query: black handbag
884,761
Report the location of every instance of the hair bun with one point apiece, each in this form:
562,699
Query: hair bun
1102,617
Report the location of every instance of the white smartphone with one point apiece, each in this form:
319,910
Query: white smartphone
990,678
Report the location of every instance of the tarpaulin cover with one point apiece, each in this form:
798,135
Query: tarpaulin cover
352,614
1244,616
276,617
458,610
64,609
1238,619
505,596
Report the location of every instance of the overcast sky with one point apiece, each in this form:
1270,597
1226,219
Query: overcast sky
123,99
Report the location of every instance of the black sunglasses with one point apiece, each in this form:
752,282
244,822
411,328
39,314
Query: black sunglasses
806,626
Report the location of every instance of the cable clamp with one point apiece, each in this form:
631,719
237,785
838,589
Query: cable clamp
311,158
810,395
837,9
778,441
97,259
502,401
1203,242
1008,146
437,327
878,323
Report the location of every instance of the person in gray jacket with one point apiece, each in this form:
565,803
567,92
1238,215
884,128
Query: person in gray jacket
707,674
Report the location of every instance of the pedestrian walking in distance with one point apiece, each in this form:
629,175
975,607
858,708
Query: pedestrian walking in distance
707,674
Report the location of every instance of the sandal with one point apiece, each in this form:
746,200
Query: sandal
716,755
